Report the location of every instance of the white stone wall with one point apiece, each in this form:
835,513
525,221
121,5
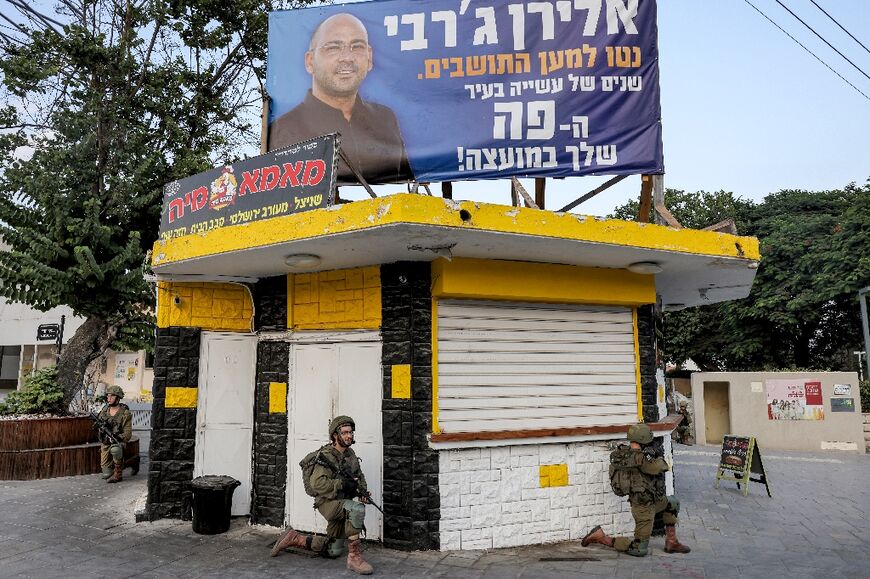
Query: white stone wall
492,497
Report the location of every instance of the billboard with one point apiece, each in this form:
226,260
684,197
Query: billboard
293,179
442,90
795,399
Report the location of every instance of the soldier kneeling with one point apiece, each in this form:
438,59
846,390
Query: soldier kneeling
335,480
634,471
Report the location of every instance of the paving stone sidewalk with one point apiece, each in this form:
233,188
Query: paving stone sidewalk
816,525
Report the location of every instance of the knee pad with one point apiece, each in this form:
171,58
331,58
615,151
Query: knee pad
335,548
117,452
356,514
673,504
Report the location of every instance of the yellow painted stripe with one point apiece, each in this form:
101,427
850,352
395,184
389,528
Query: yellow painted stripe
277,398
401,380
488,279
290,285
180,397
637,365
434,211
435,428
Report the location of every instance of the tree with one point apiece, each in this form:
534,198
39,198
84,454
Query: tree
802,311
114,98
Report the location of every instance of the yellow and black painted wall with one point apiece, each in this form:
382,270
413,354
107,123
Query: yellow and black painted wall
400,300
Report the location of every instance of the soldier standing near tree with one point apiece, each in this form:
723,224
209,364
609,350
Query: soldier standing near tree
119,421
335,480
638,468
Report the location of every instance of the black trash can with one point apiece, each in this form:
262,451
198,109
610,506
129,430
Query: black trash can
212,503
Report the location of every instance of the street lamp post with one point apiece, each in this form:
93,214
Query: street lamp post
862,297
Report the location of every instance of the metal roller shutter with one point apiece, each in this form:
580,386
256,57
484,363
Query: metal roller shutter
517,366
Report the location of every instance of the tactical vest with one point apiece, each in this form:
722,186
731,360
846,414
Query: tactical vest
626,478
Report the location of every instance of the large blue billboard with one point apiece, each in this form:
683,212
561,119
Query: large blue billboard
444,90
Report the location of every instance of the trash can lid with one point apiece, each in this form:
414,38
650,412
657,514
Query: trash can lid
214,482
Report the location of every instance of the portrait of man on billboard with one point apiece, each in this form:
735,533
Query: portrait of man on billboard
338,59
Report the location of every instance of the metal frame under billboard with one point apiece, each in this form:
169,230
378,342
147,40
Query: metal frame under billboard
443,90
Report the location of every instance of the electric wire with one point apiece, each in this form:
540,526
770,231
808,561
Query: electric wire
841,26
807,49
822,38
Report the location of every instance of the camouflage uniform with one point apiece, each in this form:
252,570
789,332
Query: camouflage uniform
647,498
684,433
336,480
121,424
343,514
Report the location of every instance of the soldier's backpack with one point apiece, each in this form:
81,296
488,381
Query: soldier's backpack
622,465
307,465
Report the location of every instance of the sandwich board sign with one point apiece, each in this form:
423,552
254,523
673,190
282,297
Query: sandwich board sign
739,461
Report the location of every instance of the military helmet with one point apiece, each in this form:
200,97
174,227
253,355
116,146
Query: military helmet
340,421
116,390
640,433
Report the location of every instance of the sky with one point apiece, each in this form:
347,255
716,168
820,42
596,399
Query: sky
744,108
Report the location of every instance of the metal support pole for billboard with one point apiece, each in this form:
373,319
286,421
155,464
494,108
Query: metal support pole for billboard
862,297
540,189
662,216
646,187
415,188
518,188
447,190
356,174
264,126
592,193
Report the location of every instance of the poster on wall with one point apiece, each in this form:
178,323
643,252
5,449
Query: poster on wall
795,399
448,90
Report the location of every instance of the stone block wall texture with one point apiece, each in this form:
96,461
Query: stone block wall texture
270,437
646,340
209,306
411,492
173,430
340,299
493,497
270,299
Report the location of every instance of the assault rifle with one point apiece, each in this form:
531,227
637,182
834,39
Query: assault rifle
368,497
103,427
346,474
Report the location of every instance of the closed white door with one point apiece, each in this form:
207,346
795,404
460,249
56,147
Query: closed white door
225,413
328,380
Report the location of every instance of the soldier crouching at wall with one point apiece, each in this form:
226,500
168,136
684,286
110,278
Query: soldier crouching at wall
334,477
634,472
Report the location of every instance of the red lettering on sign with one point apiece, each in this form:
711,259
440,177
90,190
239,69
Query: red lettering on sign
314,172
199,199
270,178
291,173
249,182
176,209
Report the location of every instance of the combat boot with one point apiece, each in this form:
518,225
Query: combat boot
597,535
355,561
291,539
672,544
117,475
638,548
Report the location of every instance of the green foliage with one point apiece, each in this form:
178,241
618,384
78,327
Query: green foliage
864,387
802,312
123,98
41,394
